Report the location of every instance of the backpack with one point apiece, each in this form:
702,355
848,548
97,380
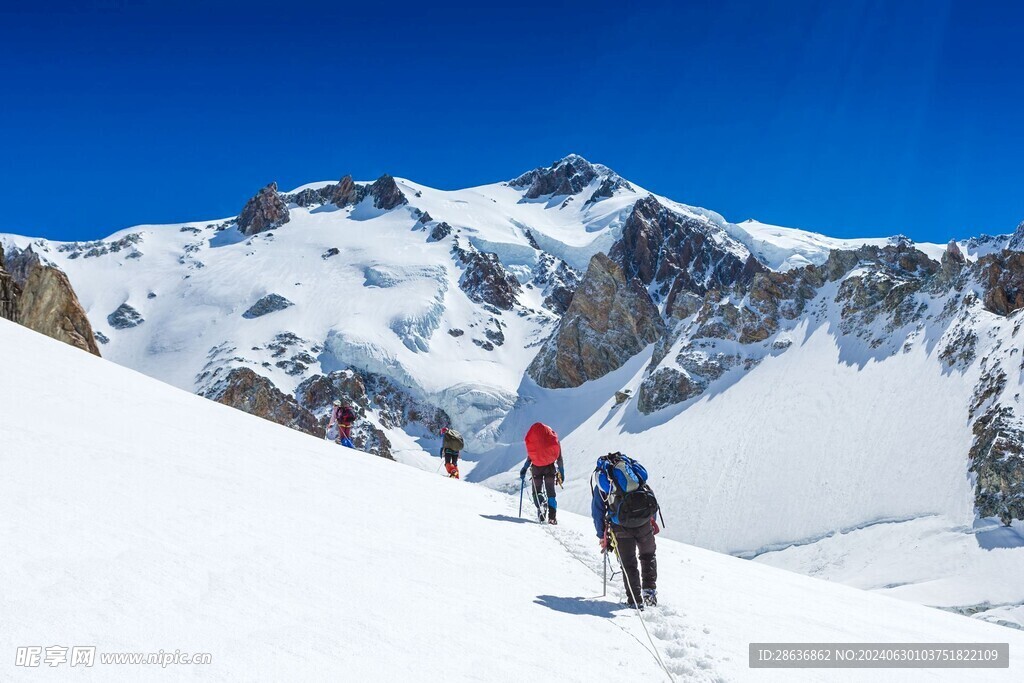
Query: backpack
630,500
453,441
542,445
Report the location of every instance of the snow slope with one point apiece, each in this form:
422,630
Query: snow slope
972,570
800,446
153,519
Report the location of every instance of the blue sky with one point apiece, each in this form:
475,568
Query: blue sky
850,118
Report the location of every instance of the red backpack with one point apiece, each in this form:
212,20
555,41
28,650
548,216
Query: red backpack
542,445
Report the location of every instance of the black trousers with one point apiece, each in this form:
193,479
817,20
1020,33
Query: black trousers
631,543
544,480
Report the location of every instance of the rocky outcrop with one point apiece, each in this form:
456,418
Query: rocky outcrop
439,232
41,298
245,390
485,279
665,387
1016,240
568,176
997,459
385,193
558,280
265,211
98,248
677,255
267,304
125,317
1002,280
611,319
346,192
393,406
9,291
49,305
608,187
343,193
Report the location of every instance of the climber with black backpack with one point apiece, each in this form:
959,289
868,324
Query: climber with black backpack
624,510
451,447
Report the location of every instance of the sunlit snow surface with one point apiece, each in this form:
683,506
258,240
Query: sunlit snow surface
137,517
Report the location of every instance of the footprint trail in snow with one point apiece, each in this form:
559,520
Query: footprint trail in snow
676,641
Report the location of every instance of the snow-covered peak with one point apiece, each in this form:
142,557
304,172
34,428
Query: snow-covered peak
570,176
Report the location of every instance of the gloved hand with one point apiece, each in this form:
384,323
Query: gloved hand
560,477
604,543
522,475
654,526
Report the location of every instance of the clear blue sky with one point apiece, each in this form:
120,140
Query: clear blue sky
847,117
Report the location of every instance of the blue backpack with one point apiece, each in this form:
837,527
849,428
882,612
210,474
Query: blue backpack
623,482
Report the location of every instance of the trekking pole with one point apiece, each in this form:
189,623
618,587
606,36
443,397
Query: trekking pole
604,584
522,486
662,518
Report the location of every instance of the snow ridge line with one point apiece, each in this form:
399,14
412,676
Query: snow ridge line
681,658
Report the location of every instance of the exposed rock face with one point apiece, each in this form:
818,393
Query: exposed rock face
997,457
1002,277
952,263
666,387
386,194
608,187
485,280
609,321
268,304
125,317
48,305
341,194
9,291
559,281
245,390
102,248
346,192
568,176
21,263
677,254
393,406
265,211
1016,241
41,298
440,231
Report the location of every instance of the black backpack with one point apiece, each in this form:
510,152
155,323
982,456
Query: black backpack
630,500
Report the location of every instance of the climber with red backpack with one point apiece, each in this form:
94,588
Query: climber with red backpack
544,460
451,447
624,509
341,421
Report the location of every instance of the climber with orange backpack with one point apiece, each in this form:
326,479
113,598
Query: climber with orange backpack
544,460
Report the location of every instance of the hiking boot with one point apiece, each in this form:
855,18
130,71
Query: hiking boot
632,605
552,521
650,597
551,515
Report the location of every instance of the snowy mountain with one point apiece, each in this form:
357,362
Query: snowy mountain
792,393
154,520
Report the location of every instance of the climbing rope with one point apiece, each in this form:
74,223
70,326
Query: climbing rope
636,607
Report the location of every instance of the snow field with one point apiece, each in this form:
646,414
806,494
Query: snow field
138,517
